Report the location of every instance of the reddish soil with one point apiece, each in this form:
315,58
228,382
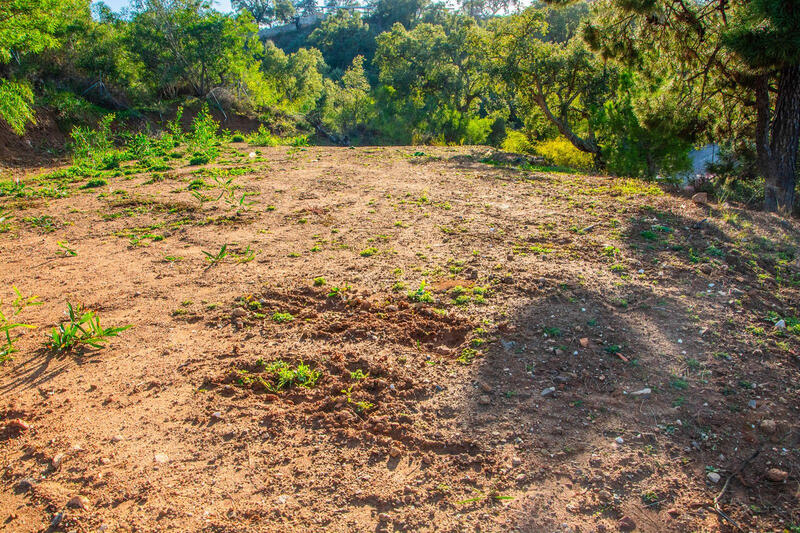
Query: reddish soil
505,406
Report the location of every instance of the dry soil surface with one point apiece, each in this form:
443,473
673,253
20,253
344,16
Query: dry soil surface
486,347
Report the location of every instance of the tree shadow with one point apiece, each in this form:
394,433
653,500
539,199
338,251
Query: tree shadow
618,391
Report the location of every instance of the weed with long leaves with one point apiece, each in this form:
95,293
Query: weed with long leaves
82,329
219,256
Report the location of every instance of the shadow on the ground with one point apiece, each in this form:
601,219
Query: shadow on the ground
34,371
569,370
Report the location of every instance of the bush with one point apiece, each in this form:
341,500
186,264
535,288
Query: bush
478,130
92,147
263,137
562,153
517,142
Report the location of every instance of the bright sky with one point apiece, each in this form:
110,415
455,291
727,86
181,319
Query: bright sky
117,5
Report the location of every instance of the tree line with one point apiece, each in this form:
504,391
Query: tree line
624,86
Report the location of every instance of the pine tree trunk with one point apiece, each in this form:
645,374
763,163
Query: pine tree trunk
781,171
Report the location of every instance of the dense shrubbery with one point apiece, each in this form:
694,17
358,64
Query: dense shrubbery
409,71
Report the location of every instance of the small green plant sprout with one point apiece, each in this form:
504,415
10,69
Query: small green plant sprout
368,252
7,323
358,375
245,256
319,281
422,294
200,197
65,250
338,292
359,406
82,329
283,375
467,356
218,257
280,318
5,220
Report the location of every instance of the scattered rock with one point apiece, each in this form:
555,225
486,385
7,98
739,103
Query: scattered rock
484,387
394,451
713,477
57,460
768,426
626,523
116,438
239,313
777,475
700,198
644,393
619,440
57,518
584,342
161,458
484,399
548,391
516,461
673,512
79,502
217,415
780,324
383,517
18,424
751,404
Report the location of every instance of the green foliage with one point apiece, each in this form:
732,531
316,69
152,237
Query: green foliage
422,294
341,37
187,45
82,329
92,148
8,323
16,104
433,80
348,105
217,257
517,142
280,318
562,153
286,376
266,11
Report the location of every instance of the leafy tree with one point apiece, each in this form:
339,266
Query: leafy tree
745,51
296,78
307,7
266,11
348,105
434,76
385,13
187,47
341,37
27,27
563,80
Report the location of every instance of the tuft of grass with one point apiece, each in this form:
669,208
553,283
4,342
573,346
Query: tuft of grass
82,329
218,257
368,252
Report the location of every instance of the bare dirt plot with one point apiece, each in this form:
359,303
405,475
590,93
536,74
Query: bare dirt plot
309,380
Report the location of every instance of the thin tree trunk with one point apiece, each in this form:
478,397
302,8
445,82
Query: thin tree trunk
781,178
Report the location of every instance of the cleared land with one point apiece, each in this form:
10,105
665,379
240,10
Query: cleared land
495,397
